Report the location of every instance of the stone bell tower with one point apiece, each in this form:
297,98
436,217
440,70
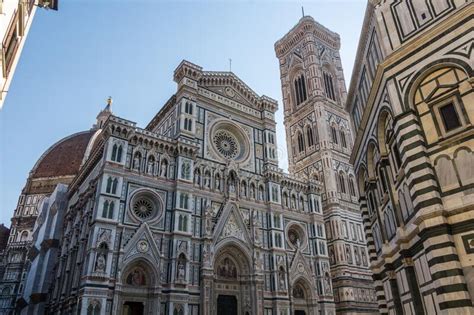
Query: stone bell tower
319,140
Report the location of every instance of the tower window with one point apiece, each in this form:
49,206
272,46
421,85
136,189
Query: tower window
300,142
342,135
309,133
329,86
450,117
300,89
334,134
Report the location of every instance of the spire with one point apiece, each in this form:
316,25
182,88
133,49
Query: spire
104,114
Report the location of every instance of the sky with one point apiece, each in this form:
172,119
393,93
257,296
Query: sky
76,57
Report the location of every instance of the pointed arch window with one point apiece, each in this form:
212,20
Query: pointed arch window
334,134
108,209
342,184
309,135
342,135
112,184
329,86
300,89
183,223
300,142
351,186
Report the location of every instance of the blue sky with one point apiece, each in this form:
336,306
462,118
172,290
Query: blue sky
75,58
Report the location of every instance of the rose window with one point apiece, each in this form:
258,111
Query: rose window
143,208
145,205
228,141
226,144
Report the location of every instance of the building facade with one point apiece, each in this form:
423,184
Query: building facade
190,215
411,100
15,22
319,140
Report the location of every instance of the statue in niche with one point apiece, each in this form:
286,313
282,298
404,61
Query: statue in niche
181,270
136,162
327,283
100,263
150,167
281,276
218,183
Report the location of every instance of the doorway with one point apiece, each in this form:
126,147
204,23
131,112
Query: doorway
226,305
133,308
297,312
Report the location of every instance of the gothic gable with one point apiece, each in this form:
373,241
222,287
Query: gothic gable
230,86
142,244
300,267
231,225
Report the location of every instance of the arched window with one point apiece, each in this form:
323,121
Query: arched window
390,223
108,188
188,108
300,89
342,183
300,142
372,208
183,200
114,152
383,179
114,186
342,136
309,135
351,186
329,86
183,222
108,209
93,308
119,153
188,124
243,185
186,170
334,134
301,204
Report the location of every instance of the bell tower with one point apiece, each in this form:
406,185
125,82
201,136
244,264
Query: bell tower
319,140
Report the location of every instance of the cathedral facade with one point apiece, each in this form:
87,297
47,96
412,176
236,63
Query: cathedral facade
189,215
411,99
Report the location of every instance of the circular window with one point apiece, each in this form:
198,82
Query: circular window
229,141
145,205
226,144
296,236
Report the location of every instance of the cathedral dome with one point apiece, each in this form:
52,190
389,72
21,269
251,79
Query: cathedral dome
65,157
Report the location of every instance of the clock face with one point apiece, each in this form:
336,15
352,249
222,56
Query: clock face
142,246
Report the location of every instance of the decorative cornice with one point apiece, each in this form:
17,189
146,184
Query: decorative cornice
306,25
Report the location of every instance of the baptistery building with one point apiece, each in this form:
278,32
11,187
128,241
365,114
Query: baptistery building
411,99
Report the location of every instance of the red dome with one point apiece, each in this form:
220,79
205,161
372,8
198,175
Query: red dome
64,157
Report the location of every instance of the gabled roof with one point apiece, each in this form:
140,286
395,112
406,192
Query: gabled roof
224,78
